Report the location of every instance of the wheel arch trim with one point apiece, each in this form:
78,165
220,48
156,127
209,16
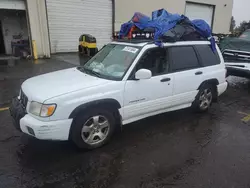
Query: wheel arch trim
87,105
209,81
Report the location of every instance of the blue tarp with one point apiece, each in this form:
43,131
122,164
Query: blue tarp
162,21
204,30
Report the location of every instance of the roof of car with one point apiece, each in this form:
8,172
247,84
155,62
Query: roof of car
144,43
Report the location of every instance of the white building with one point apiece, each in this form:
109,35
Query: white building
56,25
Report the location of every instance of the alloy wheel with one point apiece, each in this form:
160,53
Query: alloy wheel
95,130
205,99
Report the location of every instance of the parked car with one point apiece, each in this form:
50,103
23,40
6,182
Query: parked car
236,52
124,82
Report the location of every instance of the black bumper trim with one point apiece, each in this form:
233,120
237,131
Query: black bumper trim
231,71
17,112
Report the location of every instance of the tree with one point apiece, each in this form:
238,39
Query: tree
242,27
232,24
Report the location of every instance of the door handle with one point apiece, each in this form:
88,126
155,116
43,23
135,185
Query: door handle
165,79
198,73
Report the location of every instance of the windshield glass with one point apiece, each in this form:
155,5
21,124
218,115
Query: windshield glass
112,62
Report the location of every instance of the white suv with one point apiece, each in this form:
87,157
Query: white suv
123,83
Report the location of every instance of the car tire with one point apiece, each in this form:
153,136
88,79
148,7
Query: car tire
204,98
93,128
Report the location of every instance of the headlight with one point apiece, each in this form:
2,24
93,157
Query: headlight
47,110
35,108
42,110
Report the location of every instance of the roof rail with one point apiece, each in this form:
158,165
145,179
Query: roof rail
133,40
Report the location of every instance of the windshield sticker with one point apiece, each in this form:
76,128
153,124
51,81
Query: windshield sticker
130,49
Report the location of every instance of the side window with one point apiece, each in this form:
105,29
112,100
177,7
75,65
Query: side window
183,58
155,60
207,56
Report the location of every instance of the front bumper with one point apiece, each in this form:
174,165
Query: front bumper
232,71
238,69
42,130
51,130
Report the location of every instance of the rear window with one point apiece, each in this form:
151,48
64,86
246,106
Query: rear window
183,58
208,57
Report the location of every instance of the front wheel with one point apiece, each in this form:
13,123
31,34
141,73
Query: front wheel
93,129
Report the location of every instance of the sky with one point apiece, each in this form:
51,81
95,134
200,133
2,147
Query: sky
241,10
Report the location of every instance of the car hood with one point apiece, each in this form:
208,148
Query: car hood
235,44
46,86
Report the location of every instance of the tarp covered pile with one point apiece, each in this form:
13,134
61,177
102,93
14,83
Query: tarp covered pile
241,43
168,27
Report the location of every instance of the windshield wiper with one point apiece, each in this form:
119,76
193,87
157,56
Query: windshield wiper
80,69
91,72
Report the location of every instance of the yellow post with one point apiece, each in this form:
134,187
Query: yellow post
34,49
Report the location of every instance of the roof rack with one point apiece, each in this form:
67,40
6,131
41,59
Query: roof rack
133,41
137,37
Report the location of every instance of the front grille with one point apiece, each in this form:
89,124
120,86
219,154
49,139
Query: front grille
23,99
236,56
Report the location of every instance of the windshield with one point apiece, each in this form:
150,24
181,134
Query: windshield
112,62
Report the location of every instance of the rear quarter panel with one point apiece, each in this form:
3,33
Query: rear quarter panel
217,71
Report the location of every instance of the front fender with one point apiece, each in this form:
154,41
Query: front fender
102,102
68,103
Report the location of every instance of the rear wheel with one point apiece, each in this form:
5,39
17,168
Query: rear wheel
204,98
93,129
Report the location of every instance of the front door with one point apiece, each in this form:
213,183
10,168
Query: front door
147,97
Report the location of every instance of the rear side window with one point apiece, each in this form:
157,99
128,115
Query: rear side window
207,56
183,58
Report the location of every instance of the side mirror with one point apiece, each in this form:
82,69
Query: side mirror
143,74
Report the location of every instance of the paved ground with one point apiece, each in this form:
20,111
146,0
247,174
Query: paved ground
178,149
14,72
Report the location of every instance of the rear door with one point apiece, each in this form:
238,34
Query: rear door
187,73
213,68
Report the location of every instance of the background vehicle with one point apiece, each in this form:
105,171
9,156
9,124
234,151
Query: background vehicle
236,52
123,83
